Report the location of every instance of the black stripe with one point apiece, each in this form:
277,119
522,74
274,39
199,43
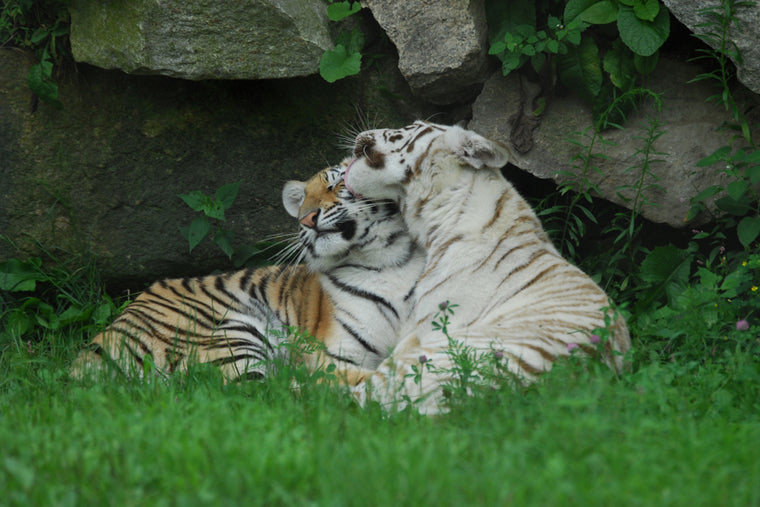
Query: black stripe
363,294
358,338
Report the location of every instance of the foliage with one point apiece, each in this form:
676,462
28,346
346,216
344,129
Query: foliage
552,35
346,59
43,27
740,159
39,299
213,208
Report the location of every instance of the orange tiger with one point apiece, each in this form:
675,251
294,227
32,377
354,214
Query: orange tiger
351,294
486,252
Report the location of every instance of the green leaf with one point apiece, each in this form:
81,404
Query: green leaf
226,194
18,276
339,10
198,230
719,155
40,81
595,12
748,230
645,65
737,207
667,268
753,173
338,63
646,9
643,37
224,239
736,189
580,69
195,199
618,63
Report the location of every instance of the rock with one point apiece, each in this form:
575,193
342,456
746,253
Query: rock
442,45
201,39
103,174
744,33
690,132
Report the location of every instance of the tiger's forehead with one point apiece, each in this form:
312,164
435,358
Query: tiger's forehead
406,137
323,187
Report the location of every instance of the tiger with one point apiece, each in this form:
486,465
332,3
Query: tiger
350,294
487,252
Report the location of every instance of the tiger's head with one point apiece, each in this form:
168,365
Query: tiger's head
390,163
336,228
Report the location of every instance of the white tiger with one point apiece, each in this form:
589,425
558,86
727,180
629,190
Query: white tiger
486,252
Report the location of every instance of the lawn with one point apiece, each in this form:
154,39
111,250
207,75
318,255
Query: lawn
665,434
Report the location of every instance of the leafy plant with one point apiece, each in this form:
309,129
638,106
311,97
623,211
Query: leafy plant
41,26
553,37
39,298
740,159
213,208
346,59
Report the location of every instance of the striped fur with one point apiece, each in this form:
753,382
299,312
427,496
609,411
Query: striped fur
486,252
351,295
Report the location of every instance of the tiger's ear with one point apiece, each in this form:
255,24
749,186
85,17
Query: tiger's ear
293,195
475,150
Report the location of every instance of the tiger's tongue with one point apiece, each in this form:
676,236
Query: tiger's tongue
345,181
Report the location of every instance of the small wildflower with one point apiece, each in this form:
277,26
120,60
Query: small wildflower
594,338
498,354
572,346
754,288
443,306
423,359
29,347
744,263
742,325
722,249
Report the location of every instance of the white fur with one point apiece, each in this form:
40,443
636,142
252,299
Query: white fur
449,207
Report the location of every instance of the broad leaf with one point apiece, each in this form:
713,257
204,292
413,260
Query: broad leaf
17,275
226,194
224,239
736,189
339,10
646,9
581,70
595,12
338,63
748,230
195,199
618,63
198,230
643,37
718,155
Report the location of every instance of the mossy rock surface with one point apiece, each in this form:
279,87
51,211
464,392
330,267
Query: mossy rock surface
103,174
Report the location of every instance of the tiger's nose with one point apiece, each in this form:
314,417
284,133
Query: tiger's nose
310,219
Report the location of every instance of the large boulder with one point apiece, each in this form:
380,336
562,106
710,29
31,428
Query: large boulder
688,123
104,174
202,39
442,45
742,33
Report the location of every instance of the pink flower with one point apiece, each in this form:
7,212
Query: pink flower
423,359
594,338
498,354
572,346
742,325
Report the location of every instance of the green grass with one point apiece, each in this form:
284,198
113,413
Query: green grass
667,434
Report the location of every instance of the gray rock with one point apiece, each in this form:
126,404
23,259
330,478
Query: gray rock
103,174
745,33
202,39
442,45
690,127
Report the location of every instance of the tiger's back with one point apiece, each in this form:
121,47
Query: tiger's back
360,263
